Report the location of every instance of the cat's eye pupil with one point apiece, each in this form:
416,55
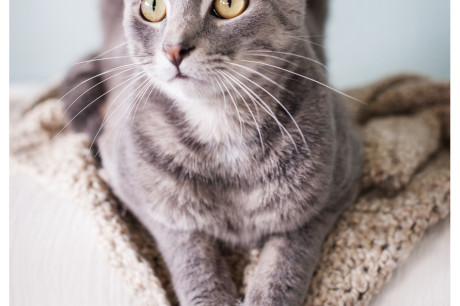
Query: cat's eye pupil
227,9
153,10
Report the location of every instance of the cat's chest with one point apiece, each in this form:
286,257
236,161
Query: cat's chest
234,199
240,215
233,192
234,206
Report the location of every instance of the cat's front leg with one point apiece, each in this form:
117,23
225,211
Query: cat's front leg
286,264
198,271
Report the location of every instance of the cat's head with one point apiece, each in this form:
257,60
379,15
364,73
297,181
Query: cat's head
199,49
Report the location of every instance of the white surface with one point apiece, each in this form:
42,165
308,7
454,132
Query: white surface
424,279
55,259
365,39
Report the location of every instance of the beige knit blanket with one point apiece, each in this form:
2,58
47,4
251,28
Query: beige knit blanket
406,189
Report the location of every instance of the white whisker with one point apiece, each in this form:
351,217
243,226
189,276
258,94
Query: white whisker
306,40
222,92
145,89
291,54
88,105
261,74
275,57
274,98
112,49
267,109
249,109
154,85
97,75
308,78
108,58
123,71
106,117
234,104
131,106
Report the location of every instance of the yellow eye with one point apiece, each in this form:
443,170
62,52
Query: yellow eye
229,8
153,10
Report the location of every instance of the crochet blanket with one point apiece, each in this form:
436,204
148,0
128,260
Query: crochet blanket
405,127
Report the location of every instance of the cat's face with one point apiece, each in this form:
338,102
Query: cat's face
190,51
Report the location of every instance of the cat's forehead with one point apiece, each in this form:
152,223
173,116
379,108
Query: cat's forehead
190,7
202,7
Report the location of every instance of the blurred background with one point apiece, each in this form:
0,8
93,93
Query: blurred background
365,40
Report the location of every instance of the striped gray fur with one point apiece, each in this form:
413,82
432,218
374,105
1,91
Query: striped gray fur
199,162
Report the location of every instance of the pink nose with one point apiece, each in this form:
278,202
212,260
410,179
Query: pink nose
176,53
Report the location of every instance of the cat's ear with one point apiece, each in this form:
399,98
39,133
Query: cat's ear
318,10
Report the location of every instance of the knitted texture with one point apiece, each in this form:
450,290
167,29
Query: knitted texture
406,188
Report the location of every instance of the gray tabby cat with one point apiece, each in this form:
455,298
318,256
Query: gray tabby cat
214,124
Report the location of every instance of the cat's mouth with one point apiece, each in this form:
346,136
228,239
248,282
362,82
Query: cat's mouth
184,77
181,76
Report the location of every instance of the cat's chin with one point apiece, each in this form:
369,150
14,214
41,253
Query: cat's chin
189,89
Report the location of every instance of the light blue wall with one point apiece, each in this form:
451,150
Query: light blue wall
366,39
370,39
49,35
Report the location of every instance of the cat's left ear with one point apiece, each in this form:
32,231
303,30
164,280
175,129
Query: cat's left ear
318,10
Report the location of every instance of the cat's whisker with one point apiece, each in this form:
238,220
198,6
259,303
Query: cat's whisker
111,49
249,109
275,57
95,76
309,36
278,74
148,85
290,54
108,58
172,105
133,79
234,104
154,86
221,90
245,89
214,79
266,108
121,72
131,106
108,51
137,78
261,74
275,118
274,98
306,40
88,105
308,78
